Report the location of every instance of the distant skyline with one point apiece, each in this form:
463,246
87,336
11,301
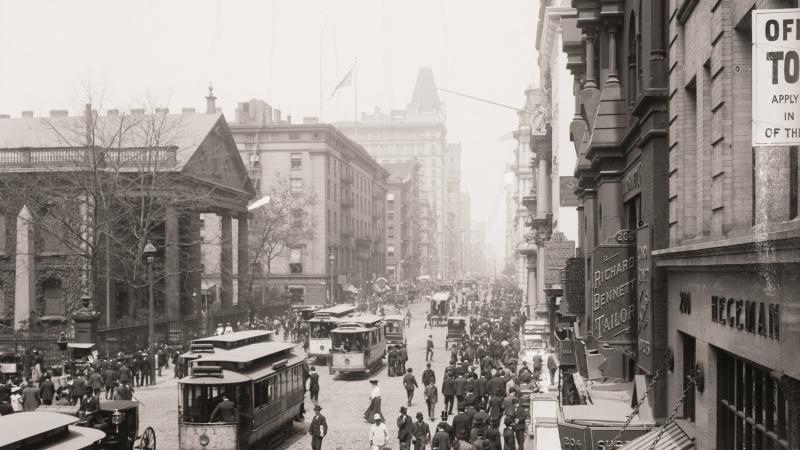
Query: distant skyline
289,53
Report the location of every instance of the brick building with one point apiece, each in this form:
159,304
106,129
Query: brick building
732,259
402,223
348,212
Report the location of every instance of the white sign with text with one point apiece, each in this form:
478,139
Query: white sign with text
776,71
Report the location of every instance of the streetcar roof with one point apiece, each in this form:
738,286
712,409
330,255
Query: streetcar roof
228,377
234,337
354,329
327,319
259,373
248,353
396,317
439,296
454,318
365,319
80,345
46,425
337,309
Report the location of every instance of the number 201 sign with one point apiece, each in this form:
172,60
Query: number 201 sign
776,77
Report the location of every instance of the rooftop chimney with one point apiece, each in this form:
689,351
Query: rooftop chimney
310,120
112,113
27,114
59,113
211,106
5,116
137,111
162,111
187,111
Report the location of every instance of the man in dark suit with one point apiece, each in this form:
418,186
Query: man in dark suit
404,429
519,423
318,428
449,392
420,433
409,383
428,376
47,391
313,384
224,411
461,390
461,423
441,440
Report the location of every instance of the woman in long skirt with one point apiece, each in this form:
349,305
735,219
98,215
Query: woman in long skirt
374,403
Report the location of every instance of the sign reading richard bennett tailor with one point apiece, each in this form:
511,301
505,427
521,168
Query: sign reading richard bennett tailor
776,77
614,293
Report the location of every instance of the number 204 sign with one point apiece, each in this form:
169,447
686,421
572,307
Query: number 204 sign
776,77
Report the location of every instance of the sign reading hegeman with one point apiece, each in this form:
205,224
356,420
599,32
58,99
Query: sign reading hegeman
613,302
776,76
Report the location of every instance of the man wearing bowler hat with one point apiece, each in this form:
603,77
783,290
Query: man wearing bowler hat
404,429
318,428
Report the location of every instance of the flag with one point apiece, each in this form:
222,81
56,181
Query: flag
346,81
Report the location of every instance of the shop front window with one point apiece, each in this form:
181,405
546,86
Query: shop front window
754,411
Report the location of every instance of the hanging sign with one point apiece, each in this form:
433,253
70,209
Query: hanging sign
644,292
613,303
776,77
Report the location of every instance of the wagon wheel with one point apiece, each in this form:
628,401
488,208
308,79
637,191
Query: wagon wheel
147,441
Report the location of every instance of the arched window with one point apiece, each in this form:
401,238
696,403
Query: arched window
633,62
54,302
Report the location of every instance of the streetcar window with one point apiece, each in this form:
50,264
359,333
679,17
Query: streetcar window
259,393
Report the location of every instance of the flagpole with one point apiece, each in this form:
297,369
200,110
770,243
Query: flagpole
355,93
320,77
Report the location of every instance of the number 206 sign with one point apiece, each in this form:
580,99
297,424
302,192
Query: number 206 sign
776,77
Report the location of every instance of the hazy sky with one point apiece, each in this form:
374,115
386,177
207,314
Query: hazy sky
166,53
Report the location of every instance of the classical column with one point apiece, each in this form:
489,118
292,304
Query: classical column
531,287
172,265
226,261
25,270
196,264
243,256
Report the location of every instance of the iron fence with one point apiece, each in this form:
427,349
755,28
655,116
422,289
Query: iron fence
126,339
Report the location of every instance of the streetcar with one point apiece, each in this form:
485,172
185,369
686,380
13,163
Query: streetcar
223,342
320,326
395,329
265,383
358,344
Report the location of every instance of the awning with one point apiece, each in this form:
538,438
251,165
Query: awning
350,288
674,438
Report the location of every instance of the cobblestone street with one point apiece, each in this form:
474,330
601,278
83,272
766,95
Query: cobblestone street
343,397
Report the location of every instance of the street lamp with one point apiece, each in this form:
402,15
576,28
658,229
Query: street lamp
149,255
332,260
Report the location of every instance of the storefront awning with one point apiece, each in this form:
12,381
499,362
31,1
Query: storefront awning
673,438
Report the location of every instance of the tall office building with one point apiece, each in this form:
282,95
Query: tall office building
420,132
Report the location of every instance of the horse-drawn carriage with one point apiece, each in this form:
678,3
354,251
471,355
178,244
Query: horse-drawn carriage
118,420
439,308
456,329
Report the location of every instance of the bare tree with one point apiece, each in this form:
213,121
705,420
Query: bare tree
99,189
283,223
